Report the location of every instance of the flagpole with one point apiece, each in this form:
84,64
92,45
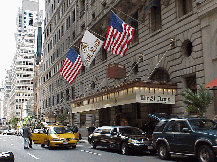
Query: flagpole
159,62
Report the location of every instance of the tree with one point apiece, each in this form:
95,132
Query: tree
14,122
197,102
61,118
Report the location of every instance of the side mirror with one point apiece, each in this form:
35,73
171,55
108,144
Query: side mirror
186,130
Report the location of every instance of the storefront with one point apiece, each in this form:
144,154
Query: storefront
128,103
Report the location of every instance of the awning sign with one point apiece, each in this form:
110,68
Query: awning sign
155,99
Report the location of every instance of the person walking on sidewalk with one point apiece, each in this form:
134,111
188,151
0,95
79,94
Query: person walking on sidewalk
26,136
30,140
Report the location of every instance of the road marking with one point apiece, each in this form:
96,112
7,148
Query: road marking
12,144
79,145
94,153
4,140
33,156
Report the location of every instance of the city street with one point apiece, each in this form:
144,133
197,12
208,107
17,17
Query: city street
83,152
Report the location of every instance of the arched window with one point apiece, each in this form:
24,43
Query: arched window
160,75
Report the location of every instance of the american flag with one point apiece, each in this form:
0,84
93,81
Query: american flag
118,37
72,65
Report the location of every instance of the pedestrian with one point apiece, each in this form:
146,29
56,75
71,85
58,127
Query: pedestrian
91,129
26,135
30,140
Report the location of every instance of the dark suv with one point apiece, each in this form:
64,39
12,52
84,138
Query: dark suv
124,138
192,136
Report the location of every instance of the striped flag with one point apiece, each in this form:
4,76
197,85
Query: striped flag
72,65
118,37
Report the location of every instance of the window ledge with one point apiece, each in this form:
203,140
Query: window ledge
185,16
155,33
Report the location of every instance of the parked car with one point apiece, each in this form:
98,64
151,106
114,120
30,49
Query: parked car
192,137
124,138
11,132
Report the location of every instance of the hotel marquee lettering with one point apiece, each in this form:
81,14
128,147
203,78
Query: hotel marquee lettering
155,98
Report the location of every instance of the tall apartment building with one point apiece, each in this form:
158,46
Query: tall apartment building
23,63
6,103
165,57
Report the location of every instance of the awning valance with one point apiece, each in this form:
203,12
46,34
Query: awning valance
139,92
212,84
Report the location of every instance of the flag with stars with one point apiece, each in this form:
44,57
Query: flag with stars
118,36
72,65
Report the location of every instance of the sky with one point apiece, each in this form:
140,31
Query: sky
8,15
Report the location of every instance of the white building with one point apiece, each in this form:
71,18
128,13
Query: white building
6,103
24,59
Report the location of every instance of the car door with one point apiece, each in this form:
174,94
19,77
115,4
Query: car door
184,141
169,135
105,137
115,139
40,137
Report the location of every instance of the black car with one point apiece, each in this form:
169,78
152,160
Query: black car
191,137
124,138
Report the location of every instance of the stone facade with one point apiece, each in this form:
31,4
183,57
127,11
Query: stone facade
207,13
157,23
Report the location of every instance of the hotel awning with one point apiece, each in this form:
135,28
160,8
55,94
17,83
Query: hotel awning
212,84
127,93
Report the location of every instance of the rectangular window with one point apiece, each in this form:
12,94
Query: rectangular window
72,93
73,16
156,17
104,54
184,7
57,98
67,95
135,25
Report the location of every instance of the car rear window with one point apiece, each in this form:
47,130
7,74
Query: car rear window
106,131
160,126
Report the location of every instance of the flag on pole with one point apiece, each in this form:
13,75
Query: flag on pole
72,65
90,46
118,37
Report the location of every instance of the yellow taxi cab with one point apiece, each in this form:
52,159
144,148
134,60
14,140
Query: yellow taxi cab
55,136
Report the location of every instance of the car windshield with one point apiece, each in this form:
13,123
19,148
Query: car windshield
60,130
202,124
131,131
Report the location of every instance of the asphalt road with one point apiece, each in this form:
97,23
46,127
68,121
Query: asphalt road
82,153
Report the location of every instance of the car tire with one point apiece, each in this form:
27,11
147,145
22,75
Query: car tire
49,147
73,146
205,153
42,145
93,145
124,149
163,152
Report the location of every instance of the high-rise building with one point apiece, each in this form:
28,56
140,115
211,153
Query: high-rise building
7,89
28,19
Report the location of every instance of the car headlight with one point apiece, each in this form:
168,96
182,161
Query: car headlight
55,139
131,141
